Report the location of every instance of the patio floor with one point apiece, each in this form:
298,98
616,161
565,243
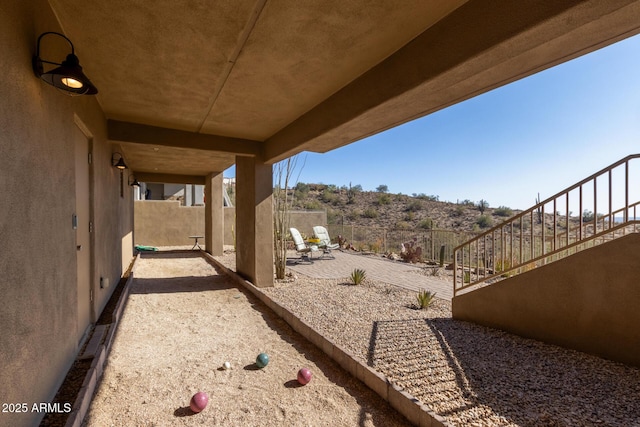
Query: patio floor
396,273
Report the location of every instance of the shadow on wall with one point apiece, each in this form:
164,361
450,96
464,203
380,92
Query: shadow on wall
518,378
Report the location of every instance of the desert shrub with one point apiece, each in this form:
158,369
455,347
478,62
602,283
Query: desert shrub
425,299
422,196
458,211
354,214
502,266
402,225
357,276
410,216
467,202
414,206
328,196
376,246
383,199
426,224
484,221
411,252
301,190
370,213
312,205
503,211
333,216
382,188
587,215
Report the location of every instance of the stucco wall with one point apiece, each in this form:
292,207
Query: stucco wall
166,223
588,302
38,314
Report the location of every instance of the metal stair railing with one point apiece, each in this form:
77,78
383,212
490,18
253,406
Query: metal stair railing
549,231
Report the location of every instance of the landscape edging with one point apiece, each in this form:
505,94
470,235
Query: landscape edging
94,374
402,401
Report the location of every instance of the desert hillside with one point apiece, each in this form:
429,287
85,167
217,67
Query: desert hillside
354,206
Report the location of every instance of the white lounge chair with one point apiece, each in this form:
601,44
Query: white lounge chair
302,248
325,244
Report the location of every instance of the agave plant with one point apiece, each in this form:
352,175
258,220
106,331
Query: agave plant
425,299
358,276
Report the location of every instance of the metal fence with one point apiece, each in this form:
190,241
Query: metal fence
383,240
593,211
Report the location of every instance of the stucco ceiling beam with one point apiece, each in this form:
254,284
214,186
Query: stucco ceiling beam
420,78
169,178
127,132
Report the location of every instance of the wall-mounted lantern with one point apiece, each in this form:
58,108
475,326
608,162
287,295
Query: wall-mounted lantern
117,161
68,77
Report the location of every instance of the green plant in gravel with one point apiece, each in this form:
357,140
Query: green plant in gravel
425,299
357,276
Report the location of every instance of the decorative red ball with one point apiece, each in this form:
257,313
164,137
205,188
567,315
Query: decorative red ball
304,376
199,401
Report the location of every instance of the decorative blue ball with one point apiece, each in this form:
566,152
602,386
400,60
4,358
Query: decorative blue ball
262,360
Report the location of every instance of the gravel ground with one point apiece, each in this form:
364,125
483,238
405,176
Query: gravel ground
182,321
469,374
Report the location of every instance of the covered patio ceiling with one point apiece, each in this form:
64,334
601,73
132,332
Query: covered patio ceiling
188,85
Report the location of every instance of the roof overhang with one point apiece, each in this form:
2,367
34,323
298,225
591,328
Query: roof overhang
186,90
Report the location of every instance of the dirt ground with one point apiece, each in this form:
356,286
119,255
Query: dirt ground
182,322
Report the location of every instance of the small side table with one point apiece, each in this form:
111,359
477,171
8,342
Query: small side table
196,245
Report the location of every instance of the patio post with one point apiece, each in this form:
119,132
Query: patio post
254,220
213,214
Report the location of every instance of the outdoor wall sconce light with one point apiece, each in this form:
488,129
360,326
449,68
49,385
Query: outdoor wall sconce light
133,182
68,77
117,161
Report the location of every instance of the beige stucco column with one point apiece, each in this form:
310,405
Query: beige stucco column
213,214
254,221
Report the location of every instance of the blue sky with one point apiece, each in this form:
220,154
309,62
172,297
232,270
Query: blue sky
538,135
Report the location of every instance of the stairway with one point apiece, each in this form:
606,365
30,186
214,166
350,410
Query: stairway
569,280
598,209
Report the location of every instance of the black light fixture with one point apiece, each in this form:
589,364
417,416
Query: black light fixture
134,182
68,77
118,161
